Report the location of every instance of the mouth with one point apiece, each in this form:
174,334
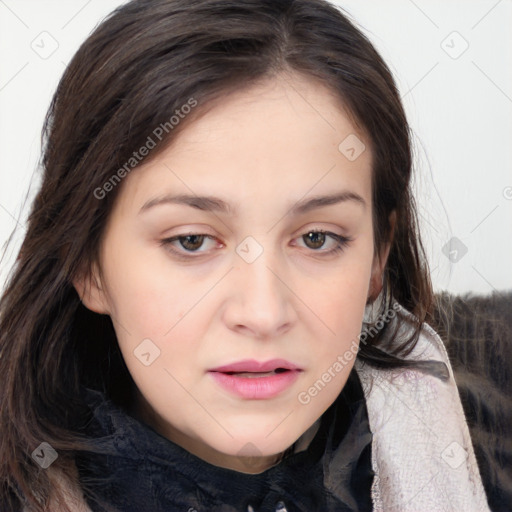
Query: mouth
255,375
253,380
253,366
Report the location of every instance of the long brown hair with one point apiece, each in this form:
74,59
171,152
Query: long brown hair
141,64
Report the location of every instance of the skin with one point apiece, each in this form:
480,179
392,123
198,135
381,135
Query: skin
262,150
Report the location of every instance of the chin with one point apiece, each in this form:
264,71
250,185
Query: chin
254,444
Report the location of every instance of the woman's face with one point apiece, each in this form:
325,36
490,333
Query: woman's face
213,255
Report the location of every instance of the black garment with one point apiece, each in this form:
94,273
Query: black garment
140,470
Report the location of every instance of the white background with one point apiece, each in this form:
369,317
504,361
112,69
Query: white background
459,106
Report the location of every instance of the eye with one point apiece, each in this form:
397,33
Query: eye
190,243
316,239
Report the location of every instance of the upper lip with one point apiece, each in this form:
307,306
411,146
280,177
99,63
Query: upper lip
251,365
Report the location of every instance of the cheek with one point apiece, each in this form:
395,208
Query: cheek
340,305
339,300
146,298
152,299
341,322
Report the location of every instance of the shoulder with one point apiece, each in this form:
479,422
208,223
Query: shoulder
421,451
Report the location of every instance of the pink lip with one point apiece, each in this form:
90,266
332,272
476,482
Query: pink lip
256,388
251,365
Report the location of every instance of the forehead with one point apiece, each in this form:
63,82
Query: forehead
284,136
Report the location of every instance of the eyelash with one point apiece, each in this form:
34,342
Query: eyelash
341,245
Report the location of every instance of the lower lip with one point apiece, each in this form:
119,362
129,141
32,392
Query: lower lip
256,388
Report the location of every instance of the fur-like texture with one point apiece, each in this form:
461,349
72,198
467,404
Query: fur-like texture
477,331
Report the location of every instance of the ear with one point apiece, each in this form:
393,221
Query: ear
92,294
379,262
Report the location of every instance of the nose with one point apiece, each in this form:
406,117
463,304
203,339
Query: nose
260,297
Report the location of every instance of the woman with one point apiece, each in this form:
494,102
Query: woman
225,204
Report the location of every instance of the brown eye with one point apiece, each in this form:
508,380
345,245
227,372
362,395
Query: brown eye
317,239
188,244
314,239
191,242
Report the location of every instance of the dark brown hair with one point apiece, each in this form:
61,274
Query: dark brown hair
141,64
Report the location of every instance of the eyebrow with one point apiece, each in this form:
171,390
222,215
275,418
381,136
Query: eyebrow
215,204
